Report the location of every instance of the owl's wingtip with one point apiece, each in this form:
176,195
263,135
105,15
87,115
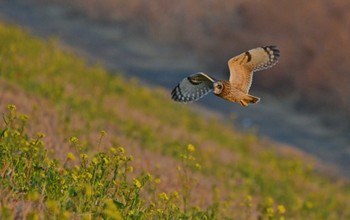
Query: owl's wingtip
273,49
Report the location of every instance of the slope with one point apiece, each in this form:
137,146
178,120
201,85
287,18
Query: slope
213,169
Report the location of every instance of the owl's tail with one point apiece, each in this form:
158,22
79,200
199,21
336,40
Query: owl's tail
249,99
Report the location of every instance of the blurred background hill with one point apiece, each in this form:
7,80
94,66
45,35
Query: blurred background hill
304,98
311,34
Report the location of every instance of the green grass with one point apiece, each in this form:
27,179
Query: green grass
227,175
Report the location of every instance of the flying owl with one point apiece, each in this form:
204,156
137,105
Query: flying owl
236,89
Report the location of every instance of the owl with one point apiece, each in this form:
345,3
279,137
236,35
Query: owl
237,87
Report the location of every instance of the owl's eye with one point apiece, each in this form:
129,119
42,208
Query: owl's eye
219,86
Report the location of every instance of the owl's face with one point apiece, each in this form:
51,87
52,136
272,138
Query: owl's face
218,87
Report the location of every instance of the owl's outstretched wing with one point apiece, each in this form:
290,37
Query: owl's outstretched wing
242,66
193,88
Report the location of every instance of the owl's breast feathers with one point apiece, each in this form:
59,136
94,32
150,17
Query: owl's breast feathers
230,93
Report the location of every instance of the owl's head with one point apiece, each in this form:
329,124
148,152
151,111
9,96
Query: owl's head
218,87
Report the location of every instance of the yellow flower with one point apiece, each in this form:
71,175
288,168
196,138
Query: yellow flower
191,158
248,198
88,190
191,148
176,195
164,196
269,201
23,118
40,135
94,161
281,209
74,140
270,212
121,150
103,133
84,156
71,156
157,180
113,150
33,196
309,205
11,107
137,183
52,206
105,160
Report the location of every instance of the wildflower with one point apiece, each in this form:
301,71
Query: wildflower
309,205
198,166
131,169
83,156
178,168
269,201
74,140
137,183
176,195
105,160
113,150
157,180
52,206
191,148
94,161
121,150
190,157
11,107
33,196
248,198
70,156
148,176
88,190
87,175
163,196
40,135
270,212
248,201
65,215
23,118
111,210
281,209
103,133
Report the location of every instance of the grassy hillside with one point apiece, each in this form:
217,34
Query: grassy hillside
310,34
78,142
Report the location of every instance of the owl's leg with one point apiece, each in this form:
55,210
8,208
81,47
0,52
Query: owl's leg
249,99
243,103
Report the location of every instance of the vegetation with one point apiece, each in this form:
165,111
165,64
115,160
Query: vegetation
69,131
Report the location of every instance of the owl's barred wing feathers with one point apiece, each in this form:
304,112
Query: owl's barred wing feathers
242,66
193,88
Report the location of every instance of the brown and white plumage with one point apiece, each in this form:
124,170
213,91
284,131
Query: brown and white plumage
236,89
